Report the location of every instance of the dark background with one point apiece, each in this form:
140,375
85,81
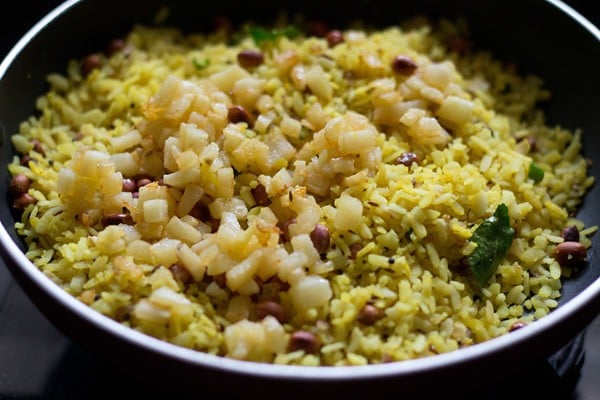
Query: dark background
38,362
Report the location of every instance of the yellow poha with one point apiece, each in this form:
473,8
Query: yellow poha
299,199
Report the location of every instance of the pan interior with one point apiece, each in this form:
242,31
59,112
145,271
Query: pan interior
503,27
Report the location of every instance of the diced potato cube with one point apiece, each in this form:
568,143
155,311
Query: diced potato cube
298,76
162,276
349,213
455,110
186,159
291,268
238,308
179,106
182,178
270,263
281,181
140,251
66,182
212,257
88,164
191,195
167,297
112,184
152,191
412,116
244,271
303,243
216,292
437,74
225,183
318,82
177,229
156,211
177,303
165,251
234,206
171,149
316,117
246,91
219,263
147,311
275,336
126,141
356,142
291,127
192,262
247,340
429,131
243,339
110,240
312,291
279,149
192,137
125,163
226,78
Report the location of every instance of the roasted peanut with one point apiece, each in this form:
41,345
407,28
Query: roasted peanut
403,65
334,38
271,308
250,58
19,184
320,238
570,234
570,254
369,315
303,340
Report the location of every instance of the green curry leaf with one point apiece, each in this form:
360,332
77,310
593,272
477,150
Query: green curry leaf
261,35
535,173
201,64
493,238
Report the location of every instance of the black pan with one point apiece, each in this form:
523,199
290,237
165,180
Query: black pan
547,38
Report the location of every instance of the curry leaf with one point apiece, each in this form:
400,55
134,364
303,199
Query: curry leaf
535,173
201,64
261,35
493,238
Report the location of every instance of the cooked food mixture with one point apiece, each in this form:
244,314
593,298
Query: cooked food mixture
300,194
